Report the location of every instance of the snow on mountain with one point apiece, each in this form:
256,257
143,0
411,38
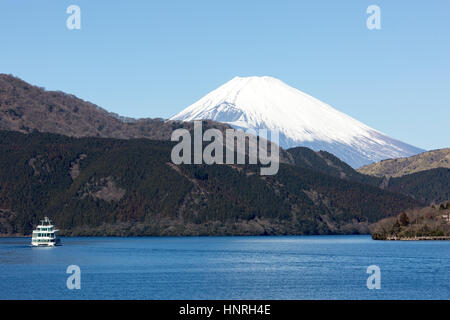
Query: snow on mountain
302,120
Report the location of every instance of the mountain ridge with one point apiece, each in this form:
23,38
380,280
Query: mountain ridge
25,108
429,186
432,159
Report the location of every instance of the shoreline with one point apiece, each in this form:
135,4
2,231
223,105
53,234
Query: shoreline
191,236
423,238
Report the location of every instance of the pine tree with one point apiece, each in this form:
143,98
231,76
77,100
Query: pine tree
404,220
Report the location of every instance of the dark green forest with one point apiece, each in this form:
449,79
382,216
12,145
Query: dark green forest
428,186
100,186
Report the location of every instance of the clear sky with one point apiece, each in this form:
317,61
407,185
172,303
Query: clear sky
154,58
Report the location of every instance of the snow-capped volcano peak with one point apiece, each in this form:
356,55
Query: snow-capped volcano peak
302,120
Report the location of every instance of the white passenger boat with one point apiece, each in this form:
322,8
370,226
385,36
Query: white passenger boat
45,235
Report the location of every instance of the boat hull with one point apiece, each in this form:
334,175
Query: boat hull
46,244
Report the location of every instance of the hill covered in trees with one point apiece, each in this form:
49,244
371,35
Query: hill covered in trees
98,186
428,186
27,108
328,163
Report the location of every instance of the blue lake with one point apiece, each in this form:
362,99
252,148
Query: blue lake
288,267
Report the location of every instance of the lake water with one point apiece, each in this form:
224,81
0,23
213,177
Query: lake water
297,267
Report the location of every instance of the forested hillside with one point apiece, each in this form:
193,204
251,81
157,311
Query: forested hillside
27,108
97,186
428,186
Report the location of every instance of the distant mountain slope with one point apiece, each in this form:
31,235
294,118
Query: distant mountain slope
92,186
302,120
24,108
429,186
403,166
328,163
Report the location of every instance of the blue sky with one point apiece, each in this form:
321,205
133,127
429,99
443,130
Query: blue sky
154,58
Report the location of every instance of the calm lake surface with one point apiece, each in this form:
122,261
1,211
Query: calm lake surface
297,267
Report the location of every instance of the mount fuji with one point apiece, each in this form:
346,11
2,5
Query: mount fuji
302,120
